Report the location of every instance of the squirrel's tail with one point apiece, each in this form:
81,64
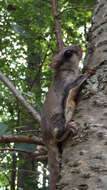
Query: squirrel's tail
53,163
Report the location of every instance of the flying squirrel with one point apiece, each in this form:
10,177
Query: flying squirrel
59,106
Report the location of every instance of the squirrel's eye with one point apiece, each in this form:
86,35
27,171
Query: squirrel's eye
68,53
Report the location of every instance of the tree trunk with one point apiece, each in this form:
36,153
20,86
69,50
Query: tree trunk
84,158
13,174
27,178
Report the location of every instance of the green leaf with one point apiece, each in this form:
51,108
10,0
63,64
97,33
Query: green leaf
26,147
20,30
2,169
3,129
8,158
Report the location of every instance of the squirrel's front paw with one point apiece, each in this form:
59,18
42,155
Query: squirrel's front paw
72,126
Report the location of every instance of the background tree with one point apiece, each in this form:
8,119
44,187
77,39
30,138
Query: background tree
28,41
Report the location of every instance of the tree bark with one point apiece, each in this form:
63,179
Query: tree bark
57,25
21,139
13,173
84,158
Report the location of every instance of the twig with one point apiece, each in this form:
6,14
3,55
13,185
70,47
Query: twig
21,99
48,1
76,8
31,154
42,158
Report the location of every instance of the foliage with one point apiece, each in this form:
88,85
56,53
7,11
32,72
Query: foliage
27,43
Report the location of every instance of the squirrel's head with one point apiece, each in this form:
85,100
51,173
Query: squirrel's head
67,58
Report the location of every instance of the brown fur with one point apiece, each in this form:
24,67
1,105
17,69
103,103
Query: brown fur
70,94
54,118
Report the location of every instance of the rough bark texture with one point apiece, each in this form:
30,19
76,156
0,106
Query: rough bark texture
84,158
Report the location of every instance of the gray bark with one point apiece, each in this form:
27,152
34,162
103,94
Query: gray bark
84,158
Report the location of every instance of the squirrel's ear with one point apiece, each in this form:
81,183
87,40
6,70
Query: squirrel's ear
55,62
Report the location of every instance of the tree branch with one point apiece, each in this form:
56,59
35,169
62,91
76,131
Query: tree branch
31,154
20,98
78,8
21,139
40,157
57,24
48,1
